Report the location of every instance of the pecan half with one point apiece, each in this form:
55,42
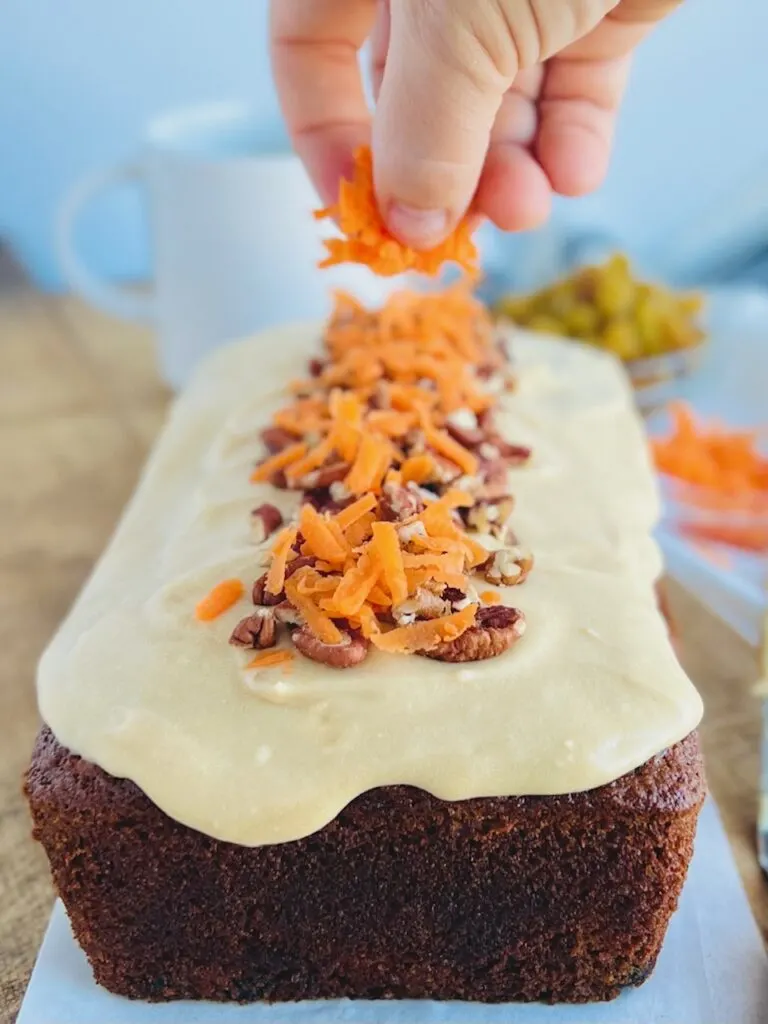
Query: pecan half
508,566
496,629
264,521
351,651
258,630
276,438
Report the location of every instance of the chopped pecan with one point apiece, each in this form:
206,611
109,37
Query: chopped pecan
258,630
264,521
351,651
299,563
462,425
332,473
316,367
261,596
446,471
508,566
414,442
496,629
288,615
275,439
491,516
400,503
423,605
408,531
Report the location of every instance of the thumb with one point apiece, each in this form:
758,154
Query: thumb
439,97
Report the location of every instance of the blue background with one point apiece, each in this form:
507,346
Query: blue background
79,79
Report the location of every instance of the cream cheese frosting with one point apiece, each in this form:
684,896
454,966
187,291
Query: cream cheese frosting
135,684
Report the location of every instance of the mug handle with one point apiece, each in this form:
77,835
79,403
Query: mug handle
113,299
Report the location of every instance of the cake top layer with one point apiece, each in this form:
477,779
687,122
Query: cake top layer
134,683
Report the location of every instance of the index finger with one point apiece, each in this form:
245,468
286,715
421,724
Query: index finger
314,49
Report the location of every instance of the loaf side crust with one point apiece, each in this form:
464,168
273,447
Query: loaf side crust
402,895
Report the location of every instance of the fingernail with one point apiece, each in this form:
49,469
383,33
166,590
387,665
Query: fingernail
416,227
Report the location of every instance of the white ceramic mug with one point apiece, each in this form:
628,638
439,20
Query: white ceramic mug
235,246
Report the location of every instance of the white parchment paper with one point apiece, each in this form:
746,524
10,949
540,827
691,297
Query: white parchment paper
712,970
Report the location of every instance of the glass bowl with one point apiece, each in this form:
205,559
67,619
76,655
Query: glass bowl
657,380
701,513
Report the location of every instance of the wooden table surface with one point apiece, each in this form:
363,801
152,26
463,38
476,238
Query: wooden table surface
80,404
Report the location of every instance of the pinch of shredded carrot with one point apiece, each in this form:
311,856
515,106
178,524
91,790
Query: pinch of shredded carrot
352,513
319,623
426,635
269,659
219,600
267,469
280,551
318,536
368,241
490,597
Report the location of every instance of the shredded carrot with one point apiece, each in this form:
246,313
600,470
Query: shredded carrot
280,551
356,586
445,445
369,242
418,469
320,623
352,513
728,474
267,469
219,600
490,597
269,659
319,538
312,460
391,559
425,636
369,624
373,414
367,464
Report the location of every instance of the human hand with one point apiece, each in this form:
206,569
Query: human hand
494,103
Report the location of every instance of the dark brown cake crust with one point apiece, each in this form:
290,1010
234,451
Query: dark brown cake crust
402,895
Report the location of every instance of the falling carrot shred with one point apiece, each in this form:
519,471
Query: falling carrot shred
219,600
368,241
